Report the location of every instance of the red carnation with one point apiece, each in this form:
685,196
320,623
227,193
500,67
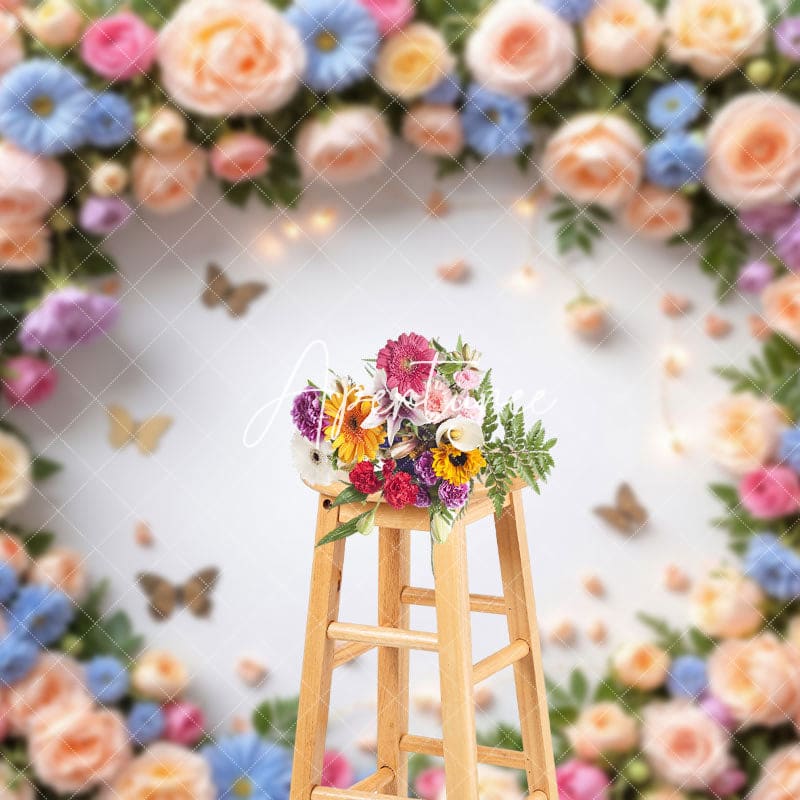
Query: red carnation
388,467
363,477
399,490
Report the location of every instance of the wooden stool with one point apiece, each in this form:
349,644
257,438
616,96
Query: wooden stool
458,675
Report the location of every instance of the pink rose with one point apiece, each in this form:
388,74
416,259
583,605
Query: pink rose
29,185
389,14
770,492
337,771
434,129
657,213
184,723
240,156
578,780
167,182
12,50
119,47
28,380
430,783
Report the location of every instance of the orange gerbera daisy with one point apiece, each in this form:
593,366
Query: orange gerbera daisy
346,410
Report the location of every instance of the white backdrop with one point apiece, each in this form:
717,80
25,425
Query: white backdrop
211,500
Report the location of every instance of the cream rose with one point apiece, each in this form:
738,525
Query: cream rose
434,129
683,745
780,776
164,132
15,472
725,604
713,36
13,552
641,666
753,146
757,679
74,747
168,182
12,51
603,728
657,213
781,301
745,431
55,23
24,246
345,146
109,178
163,771
621,37
62,569
521,48
159,675
222,57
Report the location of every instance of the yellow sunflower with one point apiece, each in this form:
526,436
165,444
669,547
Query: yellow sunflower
457,466
346,410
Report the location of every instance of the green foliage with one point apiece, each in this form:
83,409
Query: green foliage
356,525
348,495
277,720
675,642
578,227
42,468
721,245
38,543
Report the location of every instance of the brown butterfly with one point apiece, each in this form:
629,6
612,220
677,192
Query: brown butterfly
220,291
164,597
124,429
627,515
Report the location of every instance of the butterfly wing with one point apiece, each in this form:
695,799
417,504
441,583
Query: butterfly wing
239,299
160,592
614,517
629,504
122,427
196,592
217,287
149,433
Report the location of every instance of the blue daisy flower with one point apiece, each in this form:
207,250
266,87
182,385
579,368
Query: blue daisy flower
570,10
146,723
109,121
495,124
341,40
18,656
688,677
773,566
248,768
790,448
107,679
445,93
9,583
42,613
675,160
674,106
43,107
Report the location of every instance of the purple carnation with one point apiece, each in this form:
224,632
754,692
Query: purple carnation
307,413
67,317
453,495
787,38
764,221
755,276
423,498
99,216
423,466
787,244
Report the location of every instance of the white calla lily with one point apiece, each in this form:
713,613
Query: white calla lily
463,434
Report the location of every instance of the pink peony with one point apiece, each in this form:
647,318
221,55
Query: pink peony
240,157
578,780
408,362
28,380
430,783
337,771
389,14
119,47
770,492
184,723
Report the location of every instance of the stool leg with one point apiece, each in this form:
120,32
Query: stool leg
315,687
394,551
455,666
515,569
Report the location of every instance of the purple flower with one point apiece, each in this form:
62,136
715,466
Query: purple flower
787,38
423,498
787,244
453,495
67,317
100,216
755,276
766,220
307,413
423,466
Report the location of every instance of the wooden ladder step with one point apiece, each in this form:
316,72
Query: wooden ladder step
376,782
379,636
503,658
349,652
497,756
482,603
329,793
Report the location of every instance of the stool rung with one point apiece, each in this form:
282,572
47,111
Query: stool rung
503,658
375,782
378,636
482,603
497,756
349,652
329,793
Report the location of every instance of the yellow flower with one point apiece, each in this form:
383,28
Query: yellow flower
346,410
457,466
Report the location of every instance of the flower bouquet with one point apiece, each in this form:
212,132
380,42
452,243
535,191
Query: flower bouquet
425,433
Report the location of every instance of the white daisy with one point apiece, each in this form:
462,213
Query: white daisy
312,462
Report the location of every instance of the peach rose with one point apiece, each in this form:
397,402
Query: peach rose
434,129
13,552
595,158
413,60
14,785
345,146
240,156
164,771
24,246
754,151
745,432
603,728
12,51
109,178
641,666
683,745
621,37
713,36
168,182
780,776
725,604
521,48
781,301
222,57
15,472
29,185
757,679
74,747
587,317
164,132
159,675
657,213
55,23
62,569
54,680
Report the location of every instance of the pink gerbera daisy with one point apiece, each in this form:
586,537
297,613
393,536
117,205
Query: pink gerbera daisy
407,362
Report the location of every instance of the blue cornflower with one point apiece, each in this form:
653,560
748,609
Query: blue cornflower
495,124
790,448
109,121
146,723
570,10
18,656
43,107
773,566
675,160
445,93
674,106
341,40
688,677
246,767
107,679
41,612
9,583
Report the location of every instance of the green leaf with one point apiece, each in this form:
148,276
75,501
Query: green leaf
578,686
43,468
346,529
348,495
577,226
277,720
38,543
